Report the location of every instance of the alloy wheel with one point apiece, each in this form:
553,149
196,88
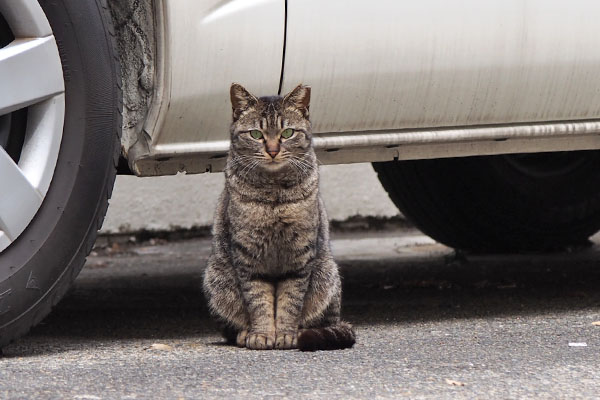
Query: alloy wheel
32,108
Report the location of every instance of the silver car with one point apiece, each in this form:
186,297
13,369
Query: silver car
481,117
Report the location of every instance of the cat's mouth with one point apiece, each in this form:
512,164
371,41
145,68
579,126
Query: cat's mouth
274,164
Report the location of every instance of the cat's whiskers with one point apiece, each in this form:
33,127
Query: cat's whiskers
304,163
240,163
240,159
247,165
248,168
296,166
256,163
316,159
301,166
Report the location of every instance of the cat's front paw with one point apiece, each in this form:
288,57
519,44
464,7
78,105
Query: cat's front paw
286,340
260,341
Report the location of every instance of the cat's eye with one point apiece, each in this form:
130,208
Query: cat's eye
256,134
288,133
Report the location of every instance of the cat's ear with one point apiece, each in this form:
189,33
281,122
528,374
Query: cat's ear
299,98
241,99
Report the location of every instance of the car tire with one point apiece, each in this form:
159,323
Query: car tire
504,203
37,268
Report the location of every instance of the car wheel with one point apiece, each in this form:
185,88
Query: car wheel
60,120
505,203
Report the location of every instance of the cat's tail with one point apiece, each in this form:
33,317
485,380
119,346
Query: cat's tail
334,337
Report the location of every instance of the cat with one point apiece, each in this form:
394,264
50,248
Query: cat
271,280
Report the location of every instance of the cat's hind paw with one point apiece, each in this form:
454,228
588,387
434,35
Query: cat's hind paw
240,340
260,341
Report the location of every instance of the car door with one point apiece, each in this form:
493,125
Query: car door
390,64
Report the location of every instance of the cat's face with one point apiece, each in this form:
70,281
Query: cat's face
270,133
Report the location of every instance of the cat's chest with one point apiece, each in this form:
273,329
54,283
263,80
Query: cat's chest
268,221
273,234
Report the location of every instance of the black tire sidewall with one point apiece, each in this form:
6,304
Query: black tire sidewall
36,269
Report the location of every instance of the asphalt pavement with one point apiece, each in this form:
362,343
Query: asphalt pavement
431,324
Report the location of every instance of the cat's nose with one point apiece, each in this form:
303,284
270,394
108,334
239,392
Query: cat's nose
272,147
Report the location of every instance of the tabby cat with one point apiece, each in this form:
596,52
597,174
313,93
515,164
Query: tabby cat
271,280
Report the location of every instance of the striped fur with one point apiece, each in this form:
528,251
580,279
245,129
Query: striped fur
271,272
